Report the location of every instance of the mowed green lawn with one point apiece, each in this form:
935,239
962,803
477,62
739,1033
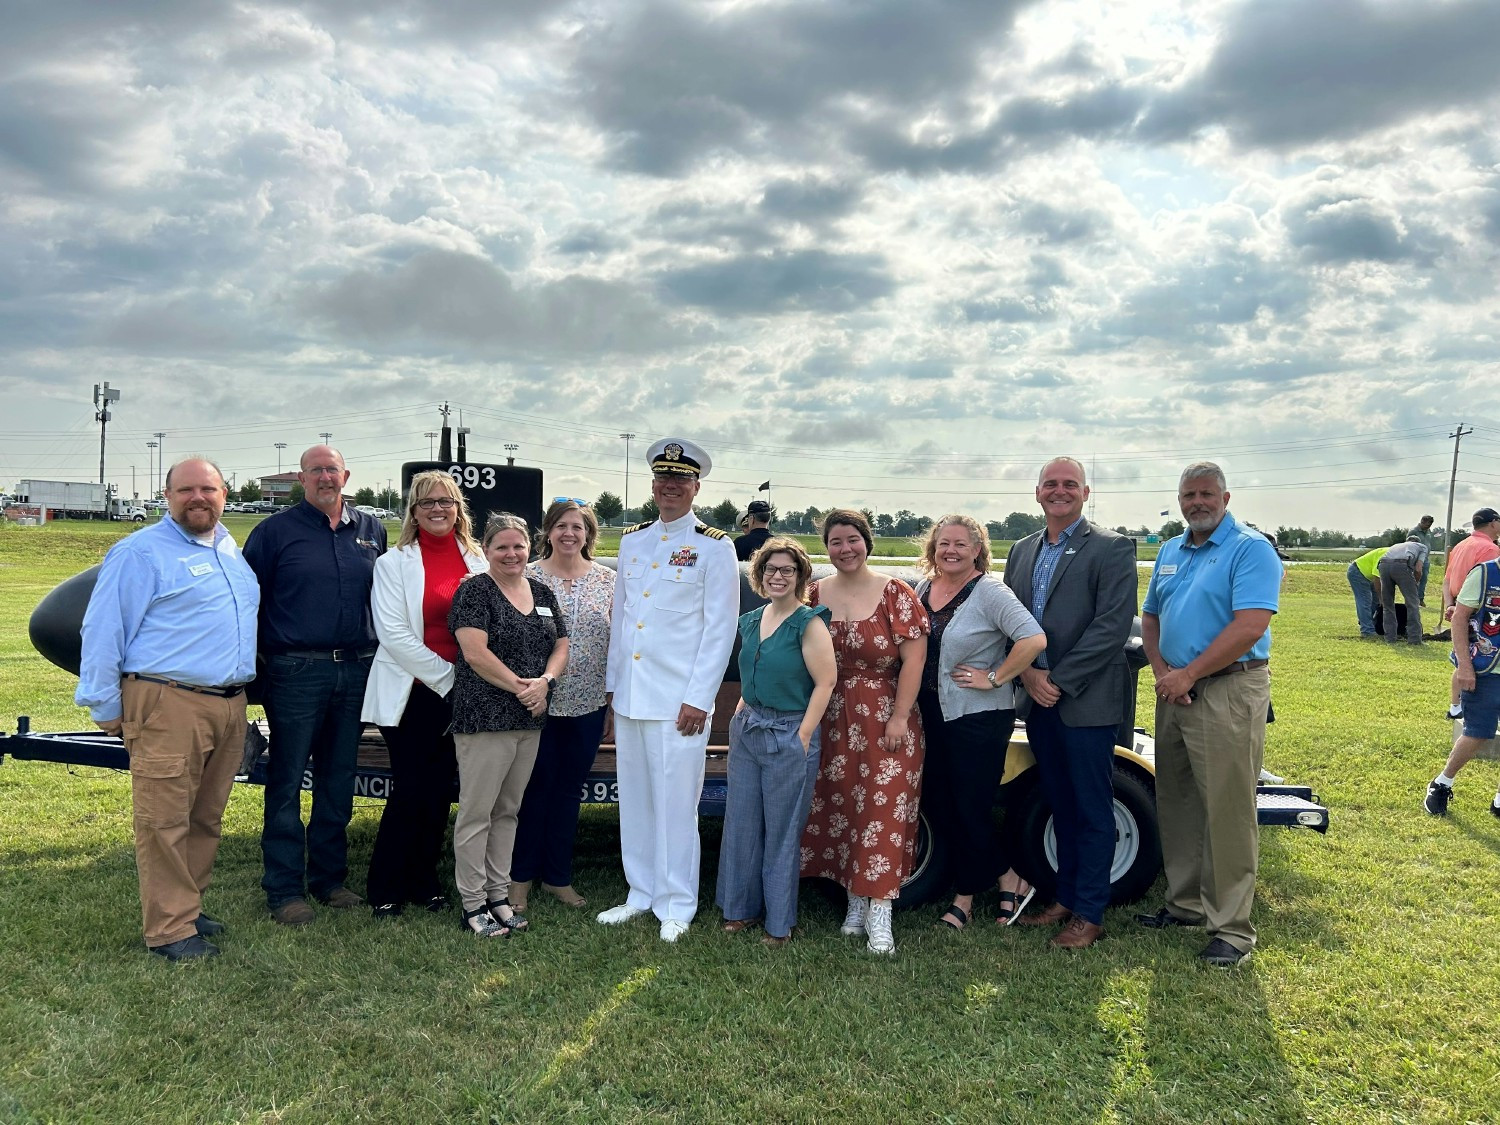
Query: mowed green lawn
1373,997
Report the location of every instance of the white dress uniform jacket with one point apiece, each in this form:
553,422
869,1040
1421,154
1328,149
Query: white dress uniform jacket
396,602
677,600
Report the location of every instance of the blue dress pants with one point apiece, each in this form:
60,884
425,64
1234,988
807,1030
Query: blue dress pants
548,821
1077,767
771,783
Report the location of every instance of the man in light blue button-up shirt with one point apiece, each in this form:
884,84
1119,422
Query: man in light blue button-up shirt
168,645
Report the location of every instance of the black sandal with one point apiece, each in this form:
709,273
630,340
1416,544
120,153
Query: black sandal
512,919
1007,915
481,923
957,912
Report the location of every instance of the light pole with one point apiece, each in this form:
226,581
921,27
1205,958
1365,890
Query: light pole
150,465
280,445
429,435
161,455
627,438
510,452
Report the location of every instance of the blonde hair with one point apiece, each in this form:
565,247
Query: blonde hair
980,537
555,513
780,545
424,485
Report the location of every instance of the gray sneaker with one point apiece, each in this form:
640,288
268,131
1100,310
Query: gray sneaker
1436,801
1495,807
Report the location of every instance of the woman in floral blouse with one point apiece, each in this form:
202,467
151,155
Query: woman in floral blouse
576,714
863,829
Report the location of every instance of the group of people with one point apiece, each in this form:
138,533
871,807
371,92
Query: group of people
860,699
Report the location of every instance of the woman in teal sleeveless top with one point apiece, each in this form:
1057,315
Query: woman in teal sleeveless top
787,674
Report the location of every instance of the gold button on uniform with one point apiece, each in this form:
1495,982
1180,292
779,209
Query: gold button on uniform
655,565
647,594
637,656
640,624
663,538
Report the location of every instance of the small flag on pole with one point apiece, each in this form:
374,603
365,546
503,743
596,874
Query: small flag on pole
764,487
1163,511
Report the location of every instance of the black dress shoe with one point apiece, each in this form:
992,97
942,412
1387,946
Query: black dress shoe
436,904
387,910
1162,919
186,949
1221,954
208,927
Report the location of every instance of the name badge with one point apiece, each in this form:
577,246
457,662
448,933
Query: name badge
201,569
370,543
543,611
1168,570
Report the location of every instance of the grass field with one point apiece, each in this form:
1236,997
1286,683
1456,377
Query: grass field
1374,995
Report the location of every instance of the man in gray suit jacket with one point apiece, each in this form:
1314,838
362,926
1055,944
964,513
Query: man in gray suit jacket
1079,582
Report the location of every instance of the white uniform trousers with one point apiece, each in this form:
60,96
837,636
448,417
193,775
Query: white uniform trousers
661,781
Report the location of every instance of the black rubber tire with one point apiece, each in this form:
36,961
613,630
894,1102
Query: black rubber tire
928,878
1032,847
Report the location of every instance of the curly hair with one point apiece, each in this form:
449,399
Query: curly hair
980,537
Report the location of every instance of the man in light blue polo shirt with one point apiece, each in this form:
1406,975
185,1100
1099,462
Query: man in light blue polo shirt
168,645
1206,627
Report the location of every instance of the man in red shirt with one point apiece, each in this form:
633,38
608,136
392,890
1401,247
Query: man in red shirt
1466,554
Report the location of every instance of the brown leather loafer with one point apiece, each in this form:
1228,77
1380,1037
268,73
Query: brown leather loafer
1078,934
1053,915
293,912
341,898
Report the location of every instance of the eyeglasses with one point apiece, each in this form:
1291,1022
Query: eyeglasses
324,471
783,571
579,500
432,502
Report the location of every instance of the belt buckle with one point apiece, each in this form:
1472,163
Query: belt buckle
338,655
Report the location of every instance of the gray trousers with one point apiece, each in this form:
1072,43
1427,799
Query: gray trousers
1396,573
771,784
493,769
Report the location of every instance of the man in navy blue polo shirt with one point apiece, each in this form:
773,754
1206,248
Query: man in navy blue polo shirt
316,563
1206,627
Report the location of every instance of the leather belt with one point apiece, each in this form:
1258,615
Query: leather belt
335,654
229,691
1237,666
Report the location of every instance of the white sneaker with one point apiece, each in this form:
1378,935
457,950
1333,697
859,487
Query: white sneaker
1269,778
672,929
878,926
617,914
854,921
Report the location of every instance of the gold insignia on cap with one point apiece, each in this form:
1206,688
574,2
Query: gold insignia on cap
672,452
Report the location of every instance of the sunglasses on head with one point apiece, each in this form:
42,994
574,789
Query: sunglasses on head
579,500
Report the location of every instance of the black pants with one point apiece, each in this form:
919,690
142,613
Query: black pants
410,841
965,761
548,820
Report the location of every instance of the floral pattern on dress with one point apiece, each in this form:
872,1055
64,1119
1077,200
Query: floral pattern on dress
861,829
586,608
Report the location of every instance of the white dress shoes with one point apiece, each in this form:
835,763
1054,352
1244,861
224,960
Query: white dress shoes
672,929
617,914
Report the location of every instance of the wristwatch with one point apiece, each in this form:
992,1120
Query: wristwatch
990,675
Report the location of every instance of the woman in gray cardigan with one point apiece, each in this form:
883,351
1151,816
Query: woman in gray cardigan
968,706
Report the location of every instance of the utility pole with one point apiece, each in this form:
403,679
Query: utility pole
280,445
102,399
1457,435
628,438
510,452
151,466
161,455
327,437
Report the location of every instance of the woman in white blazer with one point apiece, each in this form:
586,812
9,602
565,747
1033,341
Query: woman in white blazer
408,692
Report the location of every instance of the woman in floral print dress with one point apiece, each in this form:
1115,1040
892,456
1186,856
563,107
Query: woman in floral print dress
862,831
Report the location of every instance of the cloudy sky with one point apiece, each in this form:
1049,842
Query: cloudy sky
889,252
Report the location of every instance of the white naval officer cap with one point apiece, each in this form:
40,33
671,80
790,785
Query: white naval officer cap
676,456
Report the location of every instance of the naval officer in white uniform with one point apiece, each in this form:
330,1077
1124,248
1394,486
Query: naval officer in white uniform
677,598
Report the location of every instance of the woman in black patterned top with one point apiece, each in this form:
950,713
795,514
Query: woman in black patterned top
513,645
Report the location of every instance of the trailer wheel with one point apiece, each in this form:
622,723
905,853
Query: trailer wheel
1137,860
928,877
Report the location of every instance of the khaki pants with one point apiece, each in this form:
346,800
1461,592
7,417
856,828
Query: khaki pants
493,769
1208,759
184,751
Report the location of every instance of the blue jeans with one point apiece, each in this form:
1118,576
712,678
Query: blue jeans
313,707
1077,768
548,820
1364,600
